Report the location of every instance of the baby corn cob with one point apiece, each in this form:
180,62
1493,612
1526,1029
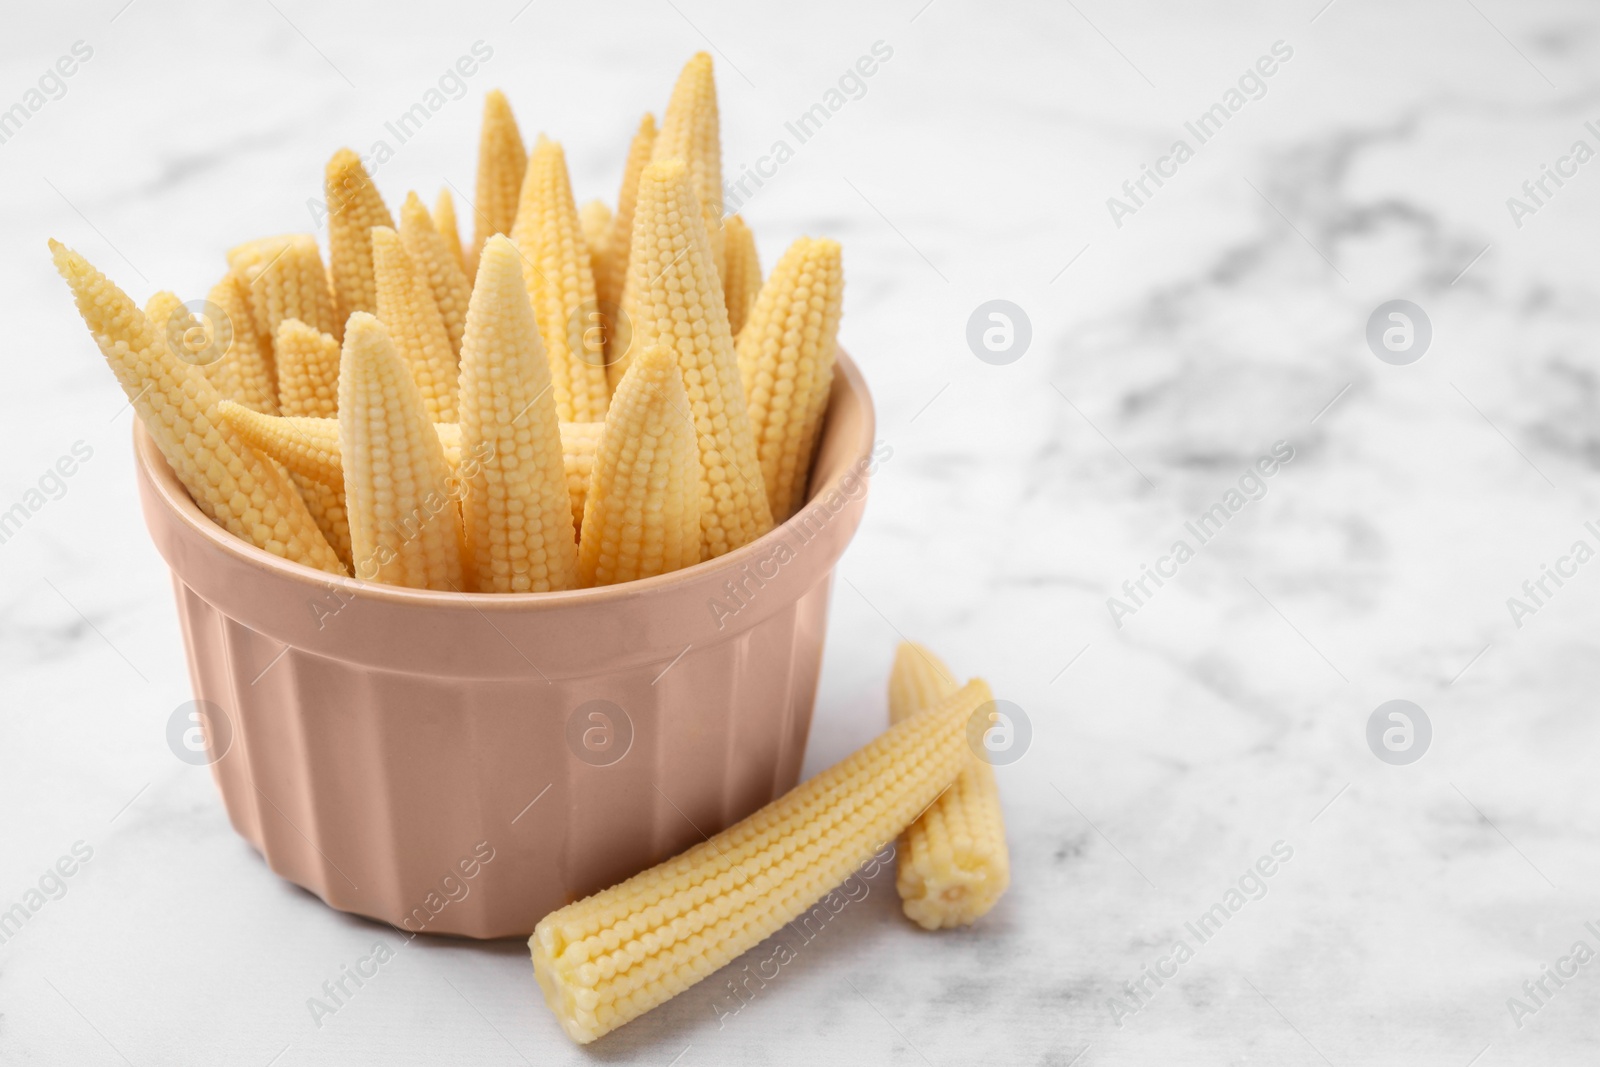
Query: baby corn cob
642,516
431,256
610,958
516,512
501,162
444,220
675,299
239,490
310,447
690,132
285,279
413,323
918,680
560,283
786,355
326,505
595,219
610,257
247,370
579,443
742,279
405,527
305,445
242,371
308,370
354,208
953,862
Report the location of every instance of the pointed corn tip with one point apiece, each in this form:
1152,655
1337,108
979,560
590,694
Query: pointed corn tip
343,161
68,263
365,327
500,245
656,360
495,104
413,202
665,171
499,261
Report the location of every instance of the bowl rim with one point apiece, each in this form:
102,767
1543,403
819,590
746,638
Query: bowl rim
164,481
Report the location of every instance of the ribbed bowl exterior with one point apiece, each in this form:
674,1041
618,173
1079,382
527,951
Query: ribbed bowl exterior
464,764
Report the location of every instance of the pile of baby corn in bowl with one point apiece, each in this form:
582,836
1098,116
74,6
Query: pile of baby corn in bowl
577,398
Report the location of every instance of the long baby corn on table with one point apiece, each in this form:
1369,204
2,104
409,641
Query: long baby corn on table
574,398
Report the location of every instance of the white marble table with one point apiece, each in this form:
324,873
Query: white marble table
1226,714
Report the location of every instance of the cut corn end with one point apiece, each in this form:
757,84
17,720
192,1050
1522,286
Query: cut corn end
953,861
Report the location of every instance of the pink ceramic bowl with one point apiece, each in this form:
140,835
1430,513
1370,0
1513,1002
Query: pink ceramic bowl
465,763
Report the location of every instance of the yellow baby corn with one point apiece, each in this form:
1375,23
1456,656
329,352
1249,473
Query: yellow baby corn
405,526
612,957
675,299
413,323
242,371
444,220
516,512
786,356
610,257
561,285
501,162
953,861
285,279
354,208
741,281
594,217
326,505
690,131
579,443
431,256
642,516
239,490
305,445
308,370
918,680
310,447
